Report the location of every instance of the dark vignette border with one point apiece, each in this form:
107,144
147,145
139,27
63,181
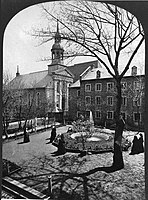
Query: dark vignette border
9,8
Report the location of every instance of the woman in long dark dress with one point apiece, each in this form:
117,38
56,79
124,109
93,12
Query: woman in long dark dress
61,145
135,146
53,134
141,148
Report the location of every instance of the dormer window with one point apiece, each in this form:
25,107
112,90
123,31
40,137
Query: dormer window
98,74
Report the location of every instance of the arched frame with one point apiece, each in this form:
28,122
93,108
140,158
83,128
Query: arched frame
9,8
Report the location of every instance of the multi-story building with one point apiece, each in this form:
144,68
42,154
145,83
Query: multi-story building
96,91
77,89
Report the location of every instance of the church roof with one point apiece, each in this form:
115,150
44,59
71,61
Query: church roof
62,70
93,73
31,80
78,69
75,84
40,79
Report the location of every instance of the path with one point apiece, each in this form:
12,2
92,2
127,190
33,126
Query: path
18,153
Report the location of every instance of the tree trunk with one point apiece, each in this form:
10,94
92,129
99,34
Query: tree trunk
85,188
138,116
118,157
5,128
26,134
20,125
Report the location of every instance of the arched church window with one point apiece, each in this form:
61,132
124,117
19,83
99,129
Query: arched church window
58,86
38,99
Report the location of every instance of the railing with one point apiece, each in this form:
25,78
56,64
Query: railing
20,191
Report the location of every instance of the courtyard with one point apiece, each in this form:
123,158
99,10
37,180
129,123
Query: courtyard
75,177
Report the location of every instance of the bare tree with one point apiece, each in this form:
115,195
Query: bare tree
7,102
102,31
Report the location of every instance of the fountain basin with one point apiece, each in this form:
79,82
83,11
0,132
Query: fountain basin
98,142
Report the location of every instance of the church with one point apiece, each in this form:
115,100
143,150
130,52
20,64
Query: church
45,92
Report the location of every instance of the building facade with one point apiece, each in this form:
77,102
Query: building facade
96,92
46,92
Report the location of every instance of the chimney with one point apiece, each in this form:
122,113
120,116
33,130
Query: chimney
98,74
17,73
134,71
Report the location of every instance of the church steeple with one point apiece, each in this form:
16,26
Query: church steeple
57,50
57,35
17,73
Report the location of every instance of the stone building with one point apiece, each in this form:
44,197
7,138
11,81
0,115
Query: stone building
96,91
46,92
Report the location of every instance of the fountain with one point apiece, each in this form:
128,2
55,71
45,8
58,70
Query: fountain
84,137
91,122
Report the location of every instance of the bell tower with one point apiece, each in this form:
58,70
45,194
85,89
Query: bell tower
57,50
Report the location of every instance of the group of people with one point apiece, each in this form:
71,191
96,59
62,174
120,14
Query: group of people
137,146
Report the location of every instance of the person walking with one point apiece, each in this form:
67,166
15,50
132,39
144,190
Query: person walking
61,145
53,134
141,148
135,146
26,134
35,124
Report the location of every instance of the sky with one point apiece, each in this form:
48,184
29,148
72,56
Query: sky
21,49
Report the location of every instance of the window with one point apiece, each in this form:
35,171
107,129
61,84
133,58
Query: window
87,87
58,87
110,86
98,100
137,85
29,99
123,85
109,101
137,117
98,114
98,86
38,99
78,104
123,115
78,93
124,101
87,114
137,102
110,115
98,74
78,114
88,100
20,99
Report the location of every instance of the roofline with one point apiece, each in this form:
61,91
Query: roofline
33,72
113,78
85,71
83,63
74,86
56,64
